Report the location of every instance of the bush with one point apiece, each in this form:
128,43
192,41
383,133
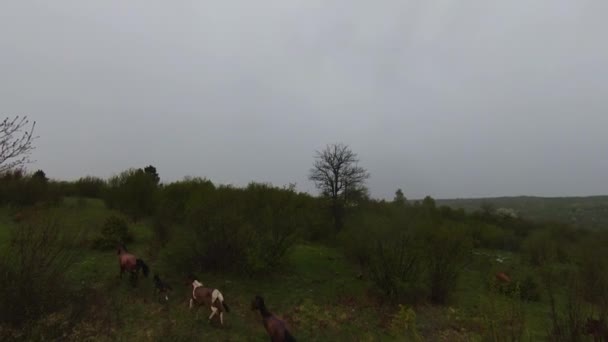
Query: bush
447,251
178,198
492,237
502,320
90,187
592,260
403,323
529,289
20,189
394,267
32,270
242,230
133,192
115,230
540,248
567,318
356,240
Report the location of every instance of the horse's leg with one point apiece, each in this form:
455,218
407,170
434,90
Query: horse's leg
122,270
222,317
214,311
191,303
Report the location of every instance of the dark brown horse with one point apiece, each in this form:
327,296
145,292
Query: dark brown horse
210,297
162,288
276,328
128,262
598,329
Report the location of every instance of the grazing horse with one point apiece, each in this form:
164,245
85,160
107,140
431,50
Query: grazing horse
209,297
128,262
162,288
276,328
503,277
597,328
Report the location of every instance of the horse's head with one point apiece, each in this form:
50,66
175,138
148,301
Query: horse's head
121,248
193,281
258,303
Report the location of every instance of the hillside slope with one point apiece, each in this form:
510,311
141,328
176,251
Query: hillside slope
588,212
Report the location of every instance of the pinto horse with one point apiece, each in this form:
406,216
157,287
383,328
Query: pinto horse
276,328
128,262
210,297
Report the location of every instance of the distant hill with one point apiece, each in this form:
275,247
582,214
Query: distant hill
588,212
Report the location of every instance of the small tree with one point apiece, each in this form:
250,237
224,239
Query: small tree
16,137
151,171
448,251
40,176
337,175
33,269
115,230
399,199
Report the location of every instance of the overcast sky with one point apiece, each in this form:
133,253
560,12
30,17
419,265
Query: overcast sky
450,98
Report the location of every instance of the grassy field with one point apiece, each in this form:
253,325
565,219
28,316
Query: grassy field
318,292
586,212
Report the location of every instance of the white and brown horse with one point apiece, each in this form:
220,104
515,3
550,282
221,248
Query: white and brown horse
210,297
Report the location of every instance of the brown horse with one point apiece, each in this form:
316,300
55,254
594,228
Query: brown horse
276,328
210,297
128,262
503,277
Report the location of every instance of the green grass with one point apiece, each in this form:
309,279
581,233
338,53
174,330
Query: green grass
317,291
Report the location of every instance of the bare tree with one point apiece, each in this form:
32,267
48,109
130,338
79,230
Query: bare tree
16,137
337,174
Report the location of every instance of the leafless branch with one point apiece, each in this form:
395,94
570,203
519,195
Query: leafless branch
16,137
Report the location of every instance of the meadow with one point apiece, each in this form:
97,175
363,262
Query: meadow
397,271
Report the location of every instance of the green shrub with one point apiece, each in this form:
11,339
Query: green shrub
115,230
447,250
502,320
395,267
592,261
32,270
133,192
20,189
403,324
529,289
243,230
90,187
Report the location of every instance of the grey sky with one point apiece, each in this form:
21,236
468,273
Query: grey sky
450,98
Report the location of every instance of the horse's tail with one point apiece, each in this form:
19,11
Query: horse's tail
141,264
226,308
288,337
219,297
